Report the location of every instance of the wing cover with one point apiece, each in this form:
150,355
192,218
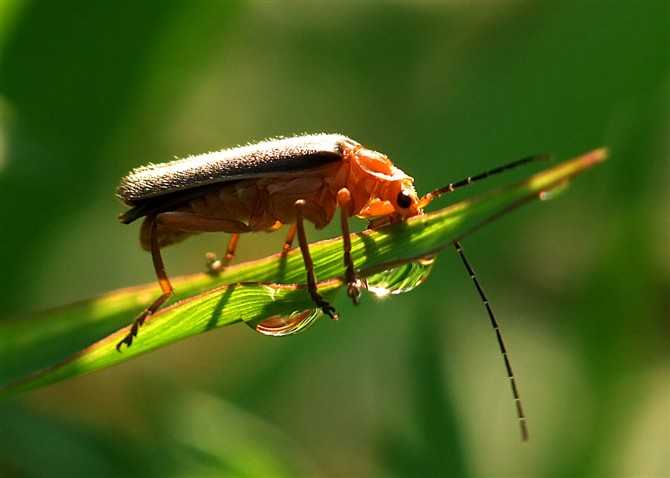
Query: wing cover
275,157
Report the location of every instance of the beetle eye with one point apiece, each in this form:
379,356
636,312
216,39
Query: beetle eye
404,200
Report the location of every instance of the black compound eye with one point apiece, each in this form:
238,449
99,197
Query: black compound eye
404,200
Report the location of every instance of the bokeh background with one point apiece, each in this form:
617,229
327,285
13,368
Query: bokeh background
407,386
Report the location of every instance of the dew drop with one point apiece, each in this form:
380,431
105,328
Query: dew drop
399,280
281,325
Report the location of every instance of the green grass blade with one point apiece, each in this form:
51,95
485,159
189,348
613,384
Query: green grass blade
81,338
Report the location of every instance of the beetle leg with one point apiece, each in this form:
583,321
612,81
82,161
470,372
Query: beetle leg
216,266
309,265
289,240
162,280
344,201
180,221
186,221
230,249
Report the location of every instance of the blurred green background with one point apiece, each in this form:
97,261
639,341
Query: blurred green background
411,385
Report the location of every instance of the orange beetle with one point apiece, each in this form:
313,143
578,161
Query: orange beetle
260,187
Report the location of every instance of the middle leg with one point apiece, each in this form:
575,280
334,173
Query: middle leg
345,204
217,266
318,299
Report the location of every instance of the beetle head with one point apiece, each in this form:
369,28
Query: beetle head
397,202
381,190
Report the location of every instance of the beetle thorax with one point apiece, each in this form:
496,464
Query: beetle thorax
375,185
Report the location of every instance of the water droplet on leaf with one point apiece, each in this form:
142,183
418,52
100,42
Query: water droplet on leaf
400,279
281,325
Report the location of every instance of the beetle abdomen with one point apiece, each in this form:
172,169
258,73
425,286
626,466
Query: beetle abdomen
260,204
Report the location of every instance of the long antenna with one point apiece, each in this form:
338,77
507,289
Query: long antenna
471,179
503,350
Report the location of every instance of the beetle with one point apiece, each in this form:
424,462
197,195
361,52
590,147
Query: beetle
262,186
